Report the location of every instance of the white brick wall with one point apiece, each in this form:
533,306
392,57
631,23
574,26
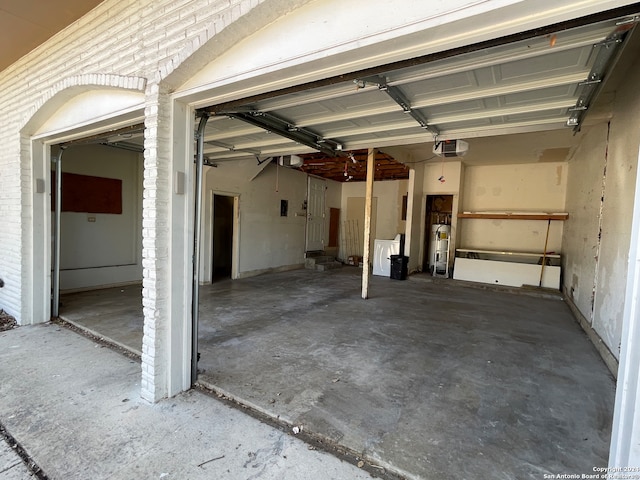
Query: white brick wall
132,44
155,243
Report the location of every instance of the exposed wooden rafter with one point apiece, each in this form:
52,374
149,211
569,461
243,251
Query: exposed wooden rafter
353,167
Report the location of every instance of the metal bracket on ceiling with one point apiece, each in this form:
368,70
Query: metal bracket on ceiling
232,148
206,161
629,21
279,126
398,96
589,88
124,132
124,146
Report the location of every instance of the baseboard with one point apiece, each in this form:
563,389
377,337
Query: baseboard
102,287
609,360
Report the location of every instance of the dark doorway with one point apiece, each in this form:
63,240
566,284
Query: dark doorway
222,237
437,230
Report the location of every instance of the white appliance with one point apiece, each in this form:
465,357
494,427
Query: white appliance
382,251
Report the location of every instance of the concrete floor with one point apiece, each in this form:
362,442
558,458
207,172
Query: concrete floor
113,313
74,407
430,379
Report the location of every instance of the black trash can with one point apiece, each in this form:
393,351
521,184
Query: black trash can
399,267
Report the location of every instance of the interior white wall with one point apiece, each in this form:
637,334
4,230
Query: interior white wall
388,221
389,212
537,187
617,209
451,170
586,170
107,251
597,237
266,241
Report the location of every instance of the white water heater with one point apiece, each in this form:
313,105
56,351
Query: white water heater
439,249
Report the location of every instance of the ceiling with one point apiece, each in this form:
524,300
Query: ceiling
545,83
25,24
535,92
353,168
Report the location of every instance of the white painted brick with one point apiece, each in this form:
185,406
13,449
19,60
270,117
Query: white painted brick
126,44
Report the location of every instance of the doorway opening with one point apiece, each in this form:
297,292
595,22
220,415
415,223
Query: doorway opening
222,238
437,233
98,245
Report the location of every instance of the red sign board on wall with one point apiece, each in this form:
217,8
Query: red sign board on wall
87,194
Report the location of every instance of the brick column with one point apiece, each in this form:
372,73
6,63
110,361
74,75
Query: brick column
156,234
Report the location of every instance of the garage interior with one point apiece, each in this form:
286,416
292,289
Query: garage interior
429,377
427,371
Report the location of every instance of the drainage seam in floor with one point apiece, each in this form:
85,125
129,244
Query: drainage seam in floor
314,440
31,465
96,338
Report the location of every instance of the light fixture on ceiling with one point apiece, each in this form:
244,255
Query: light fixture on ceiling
450,148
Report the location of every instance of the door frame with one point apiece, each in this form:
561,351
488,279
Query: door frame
206,262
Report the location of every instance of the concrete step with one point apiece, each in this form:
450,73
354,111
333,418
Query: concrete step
311,262
321,267
321,263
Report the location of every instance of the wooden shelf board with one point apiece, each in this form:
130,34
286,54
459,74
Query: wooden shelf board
515,216
515,254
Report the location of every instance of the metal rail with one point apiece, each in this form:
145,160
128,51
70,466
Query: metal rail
195,297
55,302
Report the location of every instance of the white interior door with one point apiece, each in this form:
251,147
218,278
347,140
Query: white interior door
315,214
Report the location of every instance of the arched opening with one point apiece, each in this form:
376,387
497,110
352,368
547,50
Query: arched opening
86,147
